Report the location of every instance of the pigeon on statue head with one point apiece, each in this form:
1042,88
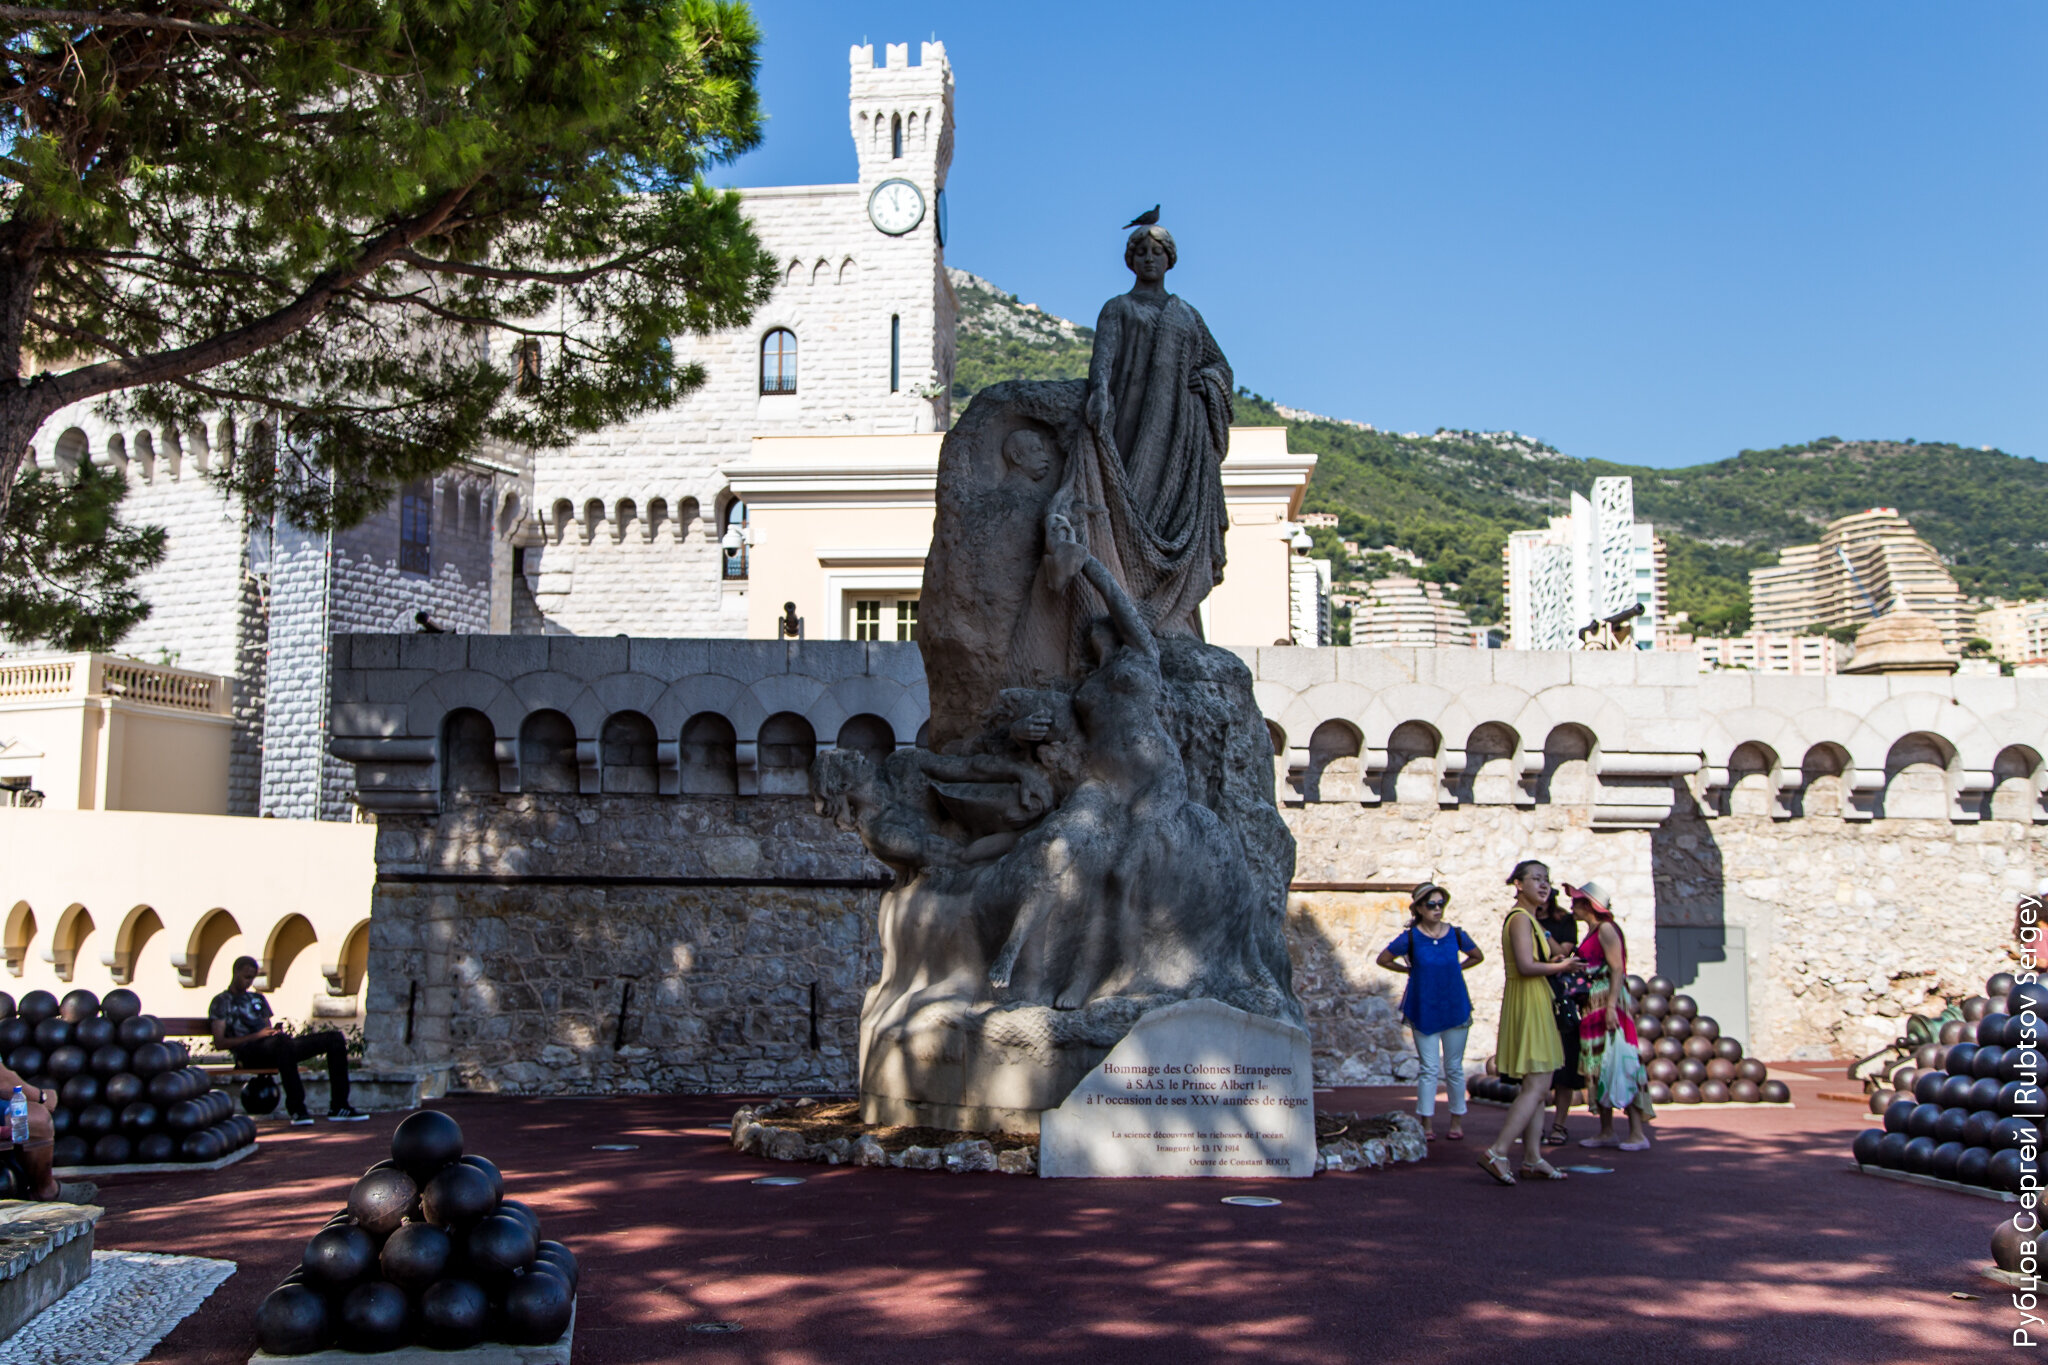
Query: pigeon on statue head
1145,219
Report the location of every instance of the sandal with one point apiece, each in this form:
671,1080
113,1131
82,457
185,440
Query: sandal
1558,1136
1455,1135
1496,1166
1542,1170
1607,1140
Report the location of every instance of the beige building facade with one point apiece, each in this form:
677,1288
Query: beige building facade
1868,564
101,732
2017,631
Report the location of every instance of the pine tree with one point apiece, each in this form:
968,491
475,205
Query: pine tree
397,231
68,561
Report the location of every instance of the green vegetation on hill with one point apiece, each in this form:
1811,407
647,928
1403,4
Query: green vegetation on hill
1451,498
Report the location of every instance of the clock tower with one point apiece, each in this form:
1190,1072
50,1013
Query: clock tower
902,123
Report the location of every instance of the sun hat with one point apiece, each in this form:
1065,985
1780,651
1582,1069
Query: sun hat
1425,891
1594,891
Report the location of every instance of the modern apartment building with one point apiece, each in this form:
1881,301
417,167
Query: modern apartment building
1405,611
1868,564
2018,631
1762,653
1584,568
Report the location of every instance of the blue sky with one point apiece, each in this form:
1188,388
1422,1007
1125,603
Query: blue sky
1642,232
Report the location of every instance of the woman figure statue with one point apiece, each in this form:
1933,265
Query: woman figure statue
1148,498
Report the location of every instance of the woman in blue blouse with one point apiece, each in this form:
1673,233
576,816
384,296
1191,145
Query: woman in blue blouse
1435,957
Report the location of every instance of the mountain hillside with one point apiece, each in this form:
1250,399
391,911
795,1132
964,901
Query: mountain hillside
1452,497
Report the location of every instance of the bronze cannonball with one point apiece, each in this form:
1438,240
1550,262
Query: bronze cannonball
1721,1069
1670,1047
1685,1092
1646,1051
1637,986
1656,1006
1677,1026
1707,1027
1684,1006
1928,1058
1729,1048
1660,1093
1693,1069
1952,1032
1880,1100
1649,1030
1659,985
1714,1092
1776,1092
2005,1245
1666,1070
1750,1069
1745,1091
1975,1008
1699,1047
1905,1078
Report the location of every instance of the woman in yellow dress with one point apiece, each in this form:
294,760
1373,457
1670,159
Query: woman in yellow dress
1528,1045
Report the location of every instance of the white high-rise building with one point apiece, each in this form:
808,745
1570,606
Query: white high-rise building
1585,567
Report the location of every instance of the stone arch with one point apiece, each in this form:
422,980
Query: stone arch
174,452
786,747
1335,766
509,512
289,938
547,752
565,513
687,513
1568,777
657,516
2016,782
131,939
593,517
220,450
67,938
203,443
794,275
469,754
213,931
628,754
1492,775
709,756
1823,781
624,513
849,271
868,734
821,273
346,971
1414,757
21,933
1753,780
72,450
145,456
117,452
1918,781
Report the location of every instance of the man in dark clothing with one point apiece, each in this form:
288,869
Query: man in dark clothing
241,1024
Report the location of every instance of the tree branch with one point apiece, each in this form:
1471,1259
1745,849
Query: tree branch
92,18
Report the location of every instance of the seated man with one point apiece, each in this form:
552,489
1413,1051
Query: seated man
241,1024
36,1154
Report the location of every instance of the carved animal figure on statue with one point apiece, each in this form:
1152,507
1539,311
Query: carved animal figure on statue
900,813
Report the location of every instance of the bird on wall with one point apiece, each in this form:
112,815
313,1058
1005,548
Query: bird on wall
1145,219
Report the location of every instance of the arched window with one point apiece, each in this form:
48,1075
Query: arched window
896,136
895,352
778,361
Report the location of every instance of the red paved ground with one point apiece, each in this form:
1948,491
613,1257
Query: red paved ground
1743,1235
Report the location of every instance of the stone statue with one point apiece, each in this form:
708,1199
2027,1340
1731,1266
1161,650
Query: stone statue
1092,833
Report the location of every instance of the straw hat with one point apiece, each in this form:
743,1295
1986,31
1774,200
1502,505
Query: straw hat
1424,892
1594,891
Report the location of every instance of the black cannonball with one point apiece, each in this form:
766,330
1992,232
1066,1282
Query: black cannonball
6,1005
1927,1086
2020,1032
1991,1029
1721,1069
71,1150
1656,1007
491,1172
121,1004
537,1308
204,1145
1749,1092
1978,1126
457,1196
1670,1048
139,1117
415,1256
93,1033
16,1033
1957,1062
1775,1092
1663,1069
2007,1240
1891,1153
156,1148
2012,1133
560,1255
109,1060
65,1062
1713,1092
165,1088
1920,1155
223,1104
425,1142
79,1091
2026,995
373,1318
1951,1125
2014,1096
381,1200
1692,1069
1685,1007
1898,1115
1951,1032
339,1255
1707,1027
261,1095
293,1321
1659,985
1699,1048
1983,1062
186,1116
61,1120
498,1246
77,1005
52,1034
112,1149
13,1183
524,1212
1728,1049
2004,1170
150,1059
1943,1164
37,1006
180,1054
1677,1026
94,1121
1985,1094
1955,1090
1685,1092
1974,1166
121,1089
1660,1093
453,1314
202,1081
137,1031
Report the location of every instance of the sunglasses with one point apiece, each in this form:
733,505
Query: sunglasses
1434,905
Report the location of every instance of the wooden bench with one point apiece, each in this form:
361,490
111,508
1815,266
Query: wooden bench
201,1027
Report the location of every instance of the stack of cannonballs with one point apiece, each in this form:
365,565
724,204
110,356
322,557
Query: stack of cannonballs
124,1094
1965,1108
1689,1059
428,1252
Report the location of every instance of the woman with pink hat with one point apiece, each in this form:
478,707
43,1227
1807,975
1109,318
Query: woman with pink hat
1608,1049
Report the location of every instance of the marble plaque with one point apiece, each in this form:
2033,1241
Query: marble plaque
1195,1088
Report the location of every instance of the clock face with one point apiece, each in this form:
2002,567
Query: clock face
896,207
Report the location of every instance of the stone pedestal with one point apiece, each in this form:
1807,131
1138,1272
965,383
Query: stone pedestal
45,1253
1196,1088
